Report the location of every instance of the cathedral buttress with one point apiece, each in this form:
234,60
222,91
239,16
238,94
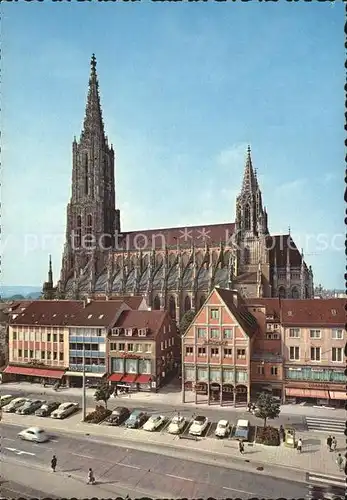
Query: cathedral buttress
92,220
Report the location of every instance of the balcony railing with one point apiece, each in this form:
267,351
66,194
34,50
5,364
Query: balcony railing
88,340
88,368
88,354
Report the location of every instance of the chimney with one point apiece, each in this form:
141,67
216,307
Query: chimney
149,308
89,300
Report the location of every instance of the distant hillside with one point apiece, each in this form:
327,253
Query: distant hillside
20,292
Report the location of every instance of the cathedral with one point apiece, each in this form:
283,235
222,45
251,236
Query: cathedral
173,268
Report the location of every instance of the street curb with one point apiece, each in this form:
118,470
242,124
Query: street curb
138,444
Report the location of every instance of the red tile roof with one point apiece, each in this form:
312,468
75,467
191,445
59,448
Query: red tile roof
278,246
152,320
272,306
159,238
245,319
314,312
71,313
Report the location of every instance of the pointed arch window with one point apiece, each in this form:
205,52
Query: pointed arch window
86,175
282,292
172,307
247,218
246,256
89,231
187,304
79,231
202,301
156,303
295,293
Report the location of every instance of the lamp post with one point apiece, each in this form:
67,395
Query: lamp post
84,384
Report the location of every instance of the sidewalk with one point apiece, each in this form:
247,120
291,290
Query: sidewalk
171,398
60,485
314,458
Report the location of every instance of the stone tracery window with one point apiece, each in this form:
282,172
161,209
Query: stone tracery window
172,307
89,231
156,303
282,292
247,218
295,293
79,231
187,304
86,183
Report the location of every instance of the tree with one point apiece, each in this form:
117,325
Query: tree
103,393
267,407
186,320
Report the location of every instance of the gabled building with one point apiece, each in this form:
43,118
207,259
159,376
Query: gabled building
55,339
216,351
144,350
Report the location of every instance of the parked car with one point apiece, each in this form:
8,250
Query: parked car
222,429
136,419
242,430
198,426
176,425
64,410
4,400
29,407
14,405
34,434
154,422
46,409
118,416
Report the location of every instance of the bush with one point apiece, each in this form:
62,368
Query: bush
268,436
98,415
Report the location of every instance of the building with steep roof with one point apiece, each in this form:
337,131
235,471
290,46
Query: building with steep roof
173,268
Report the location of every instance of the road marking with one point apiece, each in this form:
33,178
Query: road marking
20,452
9,439
179,477
130,466
83,456
241,491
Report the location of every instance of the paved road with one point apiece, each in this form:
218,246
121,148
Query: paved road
11,489
214,414
143,472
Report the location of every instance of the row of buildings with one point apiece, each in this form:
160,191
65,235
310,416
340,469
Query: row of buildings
233,349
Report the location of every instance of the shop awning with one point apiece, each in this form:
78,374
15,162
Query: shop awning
306,393
34,372
143,379
337,395
129,379
115,377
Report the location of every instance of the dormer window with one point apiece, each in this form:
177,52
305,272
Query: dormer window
290,313
129,332
89,316
101,316
333,312
116,331
142,332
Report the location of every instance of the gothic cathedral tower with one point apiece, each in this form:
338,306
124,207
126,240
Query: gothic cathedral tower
92,219
251,225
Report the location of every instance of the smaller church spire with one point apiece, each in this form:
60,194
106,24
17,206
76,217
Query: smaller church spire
249,183
50,272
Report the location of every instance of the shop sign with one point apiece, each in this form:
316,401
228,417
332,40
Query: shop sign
153,385
318,385
215,342
128,355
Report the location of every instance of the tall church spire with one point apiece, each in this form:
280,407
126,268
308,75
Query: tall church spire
50,272
93,123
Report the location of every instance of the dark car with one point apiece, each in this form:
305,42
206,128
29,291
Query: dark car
30,406
118,416
136,419
46,409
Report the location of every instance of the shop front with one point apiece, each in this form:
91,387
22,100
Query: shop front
34,373
126,382
320,394
75,379
132,374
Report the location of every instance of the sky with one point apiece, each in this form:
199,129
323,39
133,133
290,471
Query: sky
184,89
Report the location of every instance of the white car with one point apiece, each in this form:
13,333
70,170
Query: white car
177,425
222,429
5,399
64,410
198,426
154,422
14,405
34,434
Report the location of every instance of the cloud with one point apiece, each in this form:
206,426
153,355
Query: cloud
290,188
233,157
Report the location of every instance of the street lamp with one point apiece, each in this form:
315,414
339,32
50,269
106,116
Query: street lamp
84,384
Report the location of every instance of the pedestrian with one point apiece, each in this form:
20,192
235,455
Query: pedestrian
54,463
91,478
299,445
329,442
281,432
339,461
334,443
241,447
249,407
